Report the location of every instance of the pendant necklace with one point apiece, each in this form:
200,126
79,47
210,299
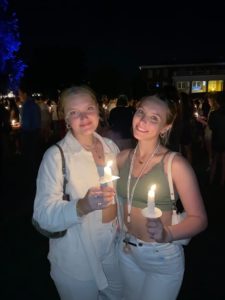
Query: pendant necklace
130,193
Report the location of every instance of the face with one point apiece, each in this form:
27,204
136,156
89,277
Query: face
81,114
150,119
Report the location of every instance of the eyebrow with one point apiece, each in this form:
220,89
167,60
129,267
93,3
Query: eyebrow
153,113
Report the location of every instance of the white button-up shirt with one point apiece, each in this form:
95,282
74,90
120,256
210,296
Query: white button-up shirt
78,252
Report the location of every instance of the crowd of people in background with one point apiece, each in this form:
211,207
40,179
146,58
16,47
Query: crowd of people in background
38,119
146,129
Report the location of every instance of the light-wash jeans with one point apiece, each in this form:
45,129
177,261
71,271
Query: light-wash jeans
153,271
70,288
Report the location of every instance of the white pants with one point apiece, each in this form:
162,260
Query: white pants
70,288
152,271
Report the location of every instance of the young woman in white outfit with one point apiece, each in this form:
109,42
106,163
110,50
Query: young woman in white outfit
84,262
152,264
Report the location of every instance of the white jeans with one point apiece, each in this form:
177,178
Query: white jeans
152,271
70,288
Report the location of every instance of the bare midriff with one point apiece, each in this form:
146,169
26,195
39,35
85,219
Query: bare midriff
109,213
137,225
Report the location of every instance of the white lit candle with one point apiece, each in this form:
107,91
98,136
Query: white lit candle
13,122
151,200
108,171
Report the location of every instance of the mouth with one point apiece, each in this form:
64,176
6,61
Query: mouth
140,129
85,125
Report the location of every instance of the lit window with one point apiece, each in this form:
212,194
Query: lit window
215,85
198,86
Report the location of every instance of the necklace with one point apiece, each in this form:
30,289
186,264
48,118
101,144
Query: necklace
94,147
91,146
130,193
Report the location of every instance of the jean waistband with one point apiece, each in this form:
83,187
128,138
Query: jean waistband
134,241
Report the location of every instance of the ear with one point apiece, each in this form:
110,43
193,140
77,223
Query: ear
165,129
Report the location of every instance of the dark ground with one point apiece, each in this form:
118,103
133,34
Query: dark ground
24,266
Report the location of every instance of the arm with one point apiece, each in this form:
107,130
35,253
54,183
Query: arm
50,210
189,192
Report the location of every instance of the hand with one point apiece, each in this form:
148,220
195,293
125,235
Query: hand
157,231
96,198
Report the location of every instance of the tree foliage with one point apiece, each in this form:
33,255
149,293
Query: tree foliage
11,66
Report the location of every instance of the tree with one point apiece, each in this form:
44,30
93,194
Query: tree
11,66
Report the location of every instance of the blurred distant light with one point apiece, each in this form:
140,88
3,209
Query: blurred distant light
10,95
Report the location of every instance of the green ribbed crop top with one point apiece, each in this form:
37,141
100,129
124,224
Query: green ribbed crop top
155,176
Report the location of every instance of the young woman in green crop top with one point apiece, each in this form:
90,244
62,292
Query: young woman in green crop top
151,264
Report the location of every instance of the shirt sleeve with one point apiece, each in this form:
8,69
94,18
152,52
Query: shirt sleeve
50,210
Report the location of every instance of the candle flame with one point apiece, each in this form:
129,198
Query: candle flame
151,192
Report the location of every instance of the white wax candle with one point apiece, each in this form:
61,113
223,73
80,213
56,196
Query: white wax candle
108,176
108,171
151,199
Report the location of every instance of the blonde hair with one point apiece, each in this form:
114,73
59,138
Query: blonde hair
73,91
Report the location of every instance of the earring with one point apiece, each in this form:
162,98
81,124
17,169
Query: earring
162,134
68,126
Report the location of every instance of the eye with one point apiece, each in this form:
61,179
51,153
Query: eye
91,108
139,112
154,119
74,113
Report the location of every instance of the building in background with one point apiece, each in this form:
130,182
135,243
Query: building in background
188,78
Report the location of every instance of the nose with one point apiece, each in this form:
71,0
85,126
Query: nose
144,118
83,115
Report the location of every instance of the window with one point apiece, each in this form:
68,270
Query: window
198,86
183,86
215,85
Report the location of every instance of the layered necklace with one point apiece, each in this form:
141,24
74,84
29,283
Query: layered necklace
130,193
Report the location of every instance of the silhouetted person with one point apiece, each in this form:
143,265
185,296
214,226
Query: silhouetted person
5,129
120,117
120,121
30,130
186,112
216,123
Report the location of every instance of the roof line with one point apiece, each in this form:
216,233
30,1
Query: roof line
181,65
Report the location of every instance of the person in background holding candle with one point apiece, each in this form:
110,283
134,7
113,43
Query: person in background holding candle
152,264
84,262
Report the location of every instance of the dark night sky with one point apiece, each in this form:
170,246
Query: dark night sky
123,34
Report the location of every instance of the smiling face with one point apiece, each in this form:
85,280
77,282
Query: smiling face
81,113
150,119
